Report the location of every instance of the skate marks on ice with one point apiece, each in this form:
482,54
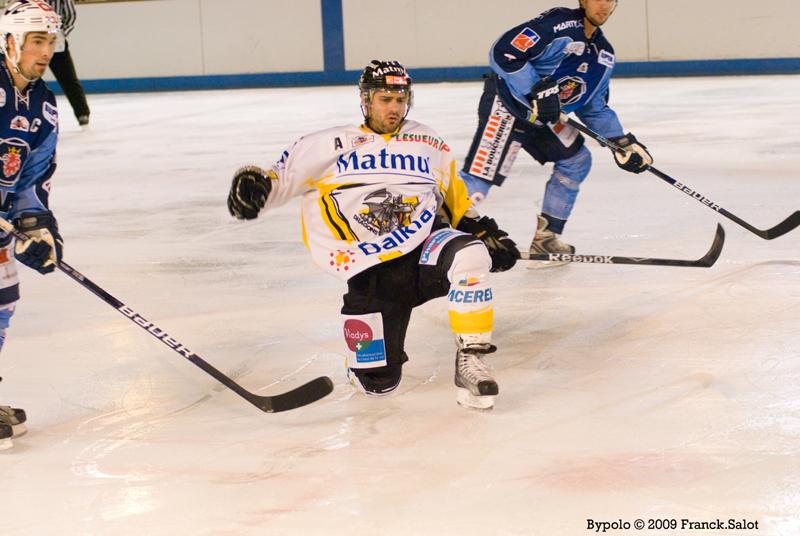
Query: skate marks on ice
577,341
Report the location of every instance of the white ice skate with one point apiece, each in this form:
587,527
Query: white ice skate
476,388
546,242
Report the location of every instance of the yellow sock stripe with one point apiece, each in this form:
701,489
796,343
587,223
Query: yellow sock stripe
480,321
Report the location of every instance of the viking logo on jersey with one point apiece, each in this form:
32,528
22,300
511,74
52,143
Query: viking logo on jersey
525,39
572,88
386,212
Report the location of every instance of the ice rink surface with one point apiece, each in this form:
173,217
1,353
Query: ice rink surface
627,392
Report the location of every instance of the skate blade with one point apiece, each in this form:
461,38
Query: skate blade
468,400
6,444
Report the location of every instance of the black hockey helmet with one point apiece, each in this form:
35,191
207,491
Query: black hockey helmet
384,75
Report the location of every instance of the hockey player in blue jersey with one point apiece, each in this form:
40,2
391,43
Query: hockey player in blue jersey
557,62
28,134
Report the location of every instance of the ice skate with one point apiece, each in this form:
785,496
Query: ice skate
547,242
6,433
13,418
380,381
476,388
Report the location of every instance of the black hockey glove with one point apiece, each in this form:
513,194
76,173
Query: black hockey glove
635,158
44,249
249,191
545,104
501,248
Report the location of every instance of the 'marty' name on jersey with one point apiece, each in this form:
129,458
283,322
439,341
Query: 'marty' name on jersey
368,198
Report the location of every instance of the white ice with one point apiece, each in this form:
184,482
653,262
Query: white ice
626,391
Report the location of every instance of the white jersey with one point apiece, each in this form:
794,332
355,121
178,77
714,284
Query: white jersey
368,198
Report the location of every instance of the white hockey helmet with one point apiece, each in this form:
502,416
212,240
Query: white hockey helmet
24,16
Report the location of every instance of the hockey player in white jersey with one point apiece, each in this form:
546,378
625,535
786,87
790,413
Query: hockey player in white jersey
384,209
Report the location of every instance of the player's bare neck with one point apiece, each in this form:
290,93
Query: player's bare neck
19,81
588,28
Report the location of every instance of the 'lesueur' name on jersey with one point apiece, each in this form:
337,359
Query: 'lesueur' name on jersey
368,198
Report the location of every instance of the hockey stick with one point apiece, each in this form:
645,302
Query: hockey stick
297,397
706,261
767,234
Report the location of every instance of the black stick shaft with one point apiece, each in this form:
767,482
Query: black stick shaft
768,234
305,394
706,261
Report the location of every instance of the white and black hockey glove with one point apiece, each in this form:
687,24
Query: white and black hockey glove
44,247
249,191
545,104
635,159
502,249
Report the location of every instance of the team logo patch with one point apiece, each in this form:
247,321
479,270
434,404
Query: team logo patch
386,212
13,152
50,113
2,97
20,123
342,259
606,58
12,161
571,89
361,140
525,40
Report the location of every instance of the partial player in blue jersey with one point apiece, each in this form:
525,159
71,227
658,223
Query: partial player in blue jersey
558,62
28,134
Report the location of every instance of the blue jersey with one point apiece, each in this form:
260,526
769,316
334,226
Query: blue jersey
554,45
28,134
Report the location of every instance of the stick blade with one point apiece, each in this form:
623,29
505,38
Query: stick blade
783,227
307,393
713,254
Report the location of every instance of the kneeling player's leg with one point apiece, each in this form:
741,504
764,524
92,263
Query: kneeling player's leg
463,263
375,329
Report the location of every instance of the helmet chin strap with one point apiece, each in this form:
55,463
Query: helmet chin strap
15,64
